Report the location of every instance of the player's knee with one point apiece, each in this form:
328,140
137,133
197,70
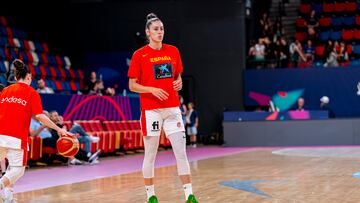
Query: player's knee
14,173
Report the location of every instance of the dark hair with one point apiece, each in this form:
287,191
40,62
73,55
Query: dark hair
150,18
20,69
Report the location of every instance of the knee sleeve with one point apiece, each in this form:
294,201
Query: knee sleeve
13,173
151,145
178,143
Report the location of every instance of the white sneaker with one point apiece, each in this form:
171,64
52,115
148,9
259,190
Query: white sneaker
94,156
75,162
94,139
95,161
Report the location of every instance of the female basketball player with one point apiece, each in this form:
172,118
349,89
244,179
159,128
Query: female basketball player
18,103
155,73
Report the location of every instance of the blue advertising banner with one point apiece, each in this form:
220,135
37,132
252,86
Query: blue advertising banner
286,85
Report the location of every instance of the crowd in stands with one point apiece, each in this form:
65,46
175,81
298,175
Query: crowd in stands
326,36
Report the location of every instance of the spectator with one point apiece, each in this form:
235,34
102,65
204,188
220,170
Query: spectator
283,53
91,83
278,29
259,53
300,104
296,54
98,88
42,88
324,105
331,60
192,121
270,52
183,109
266,26
312,23
76,129
309,51
343,55
81,155
110,91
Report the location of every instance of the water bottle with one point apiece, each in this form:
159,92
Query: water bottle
124,92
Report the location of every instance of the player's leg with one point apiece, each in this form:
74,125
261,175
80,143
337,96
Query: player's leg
151,123
16,169
174,128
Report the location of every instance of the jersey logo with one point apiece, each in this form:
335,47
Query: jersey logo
163,71
144,55
14,100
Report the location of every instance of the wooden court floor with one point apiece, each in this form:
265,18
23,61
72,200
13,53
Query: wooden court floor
282,179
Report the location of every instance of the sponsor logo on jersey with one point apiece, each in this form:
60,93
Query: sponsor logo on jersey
13,100
163,71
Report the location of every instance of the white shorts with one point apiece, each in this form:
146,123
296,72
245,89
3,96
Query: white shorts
16,157
168,119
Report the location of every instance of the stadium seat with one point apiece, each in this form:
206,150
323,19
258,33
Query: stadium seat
351,6
324,36
339,7
337,21
305,8
335,35
317,8
357,35
3,21
347,35
328,7
3,79
325,21
348,21
300,22
9,33
301,36
2,54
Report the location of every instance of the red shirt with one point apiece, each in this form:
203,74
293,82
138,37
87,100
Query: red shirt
18,103
157,68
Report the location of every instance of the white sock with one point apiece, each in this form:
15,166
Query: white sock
150,190
188,190
8,193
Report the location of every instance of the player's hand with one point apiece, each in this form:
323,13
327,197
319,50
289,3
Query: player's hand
159,93
178,84
63,132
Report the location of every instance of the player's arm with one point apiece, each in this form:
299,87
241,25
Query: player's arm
177,83
47,122
157,92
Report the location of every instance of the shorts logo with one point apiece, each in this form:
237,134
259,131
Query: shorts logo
178,124
163,71
155,126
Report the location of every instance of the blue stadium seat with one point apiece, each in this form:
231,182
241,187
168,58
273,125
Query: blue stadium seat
324,36
356,49
348,21
38,47
2,53
3,79
2,67
65,85
337,21
335,35
317,8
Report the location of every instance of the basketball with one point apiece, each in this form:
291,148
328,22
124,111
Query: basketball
67,146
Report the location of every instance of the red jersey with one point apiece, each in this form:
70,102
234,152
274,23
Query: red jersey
157,68
18,103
